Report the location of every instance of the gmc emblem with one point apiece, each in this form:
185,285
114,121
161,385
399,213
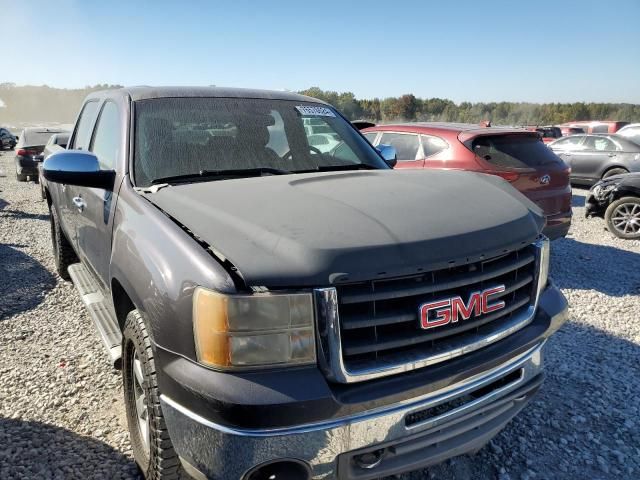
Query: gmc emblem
450,310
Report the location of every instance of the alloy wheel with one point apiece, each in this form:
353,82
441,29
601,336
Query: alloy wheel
626,218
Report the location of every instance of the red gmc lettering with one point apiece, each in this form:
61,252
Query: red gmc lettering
452,309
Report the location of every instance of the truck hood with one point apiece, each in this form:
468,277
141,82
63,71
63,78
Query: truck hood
324,228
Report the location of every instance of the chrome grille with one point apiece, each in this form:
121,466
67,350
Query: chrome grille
372,329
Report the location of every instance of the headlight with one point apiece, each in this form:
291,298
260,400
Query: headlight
600,192
544,251
258,330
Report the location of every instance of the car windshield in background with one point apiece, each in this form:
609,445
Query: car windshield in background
34,138
180,138
514,151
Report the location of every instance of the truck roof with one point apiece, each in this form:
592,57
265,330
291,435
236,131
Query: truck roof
148,92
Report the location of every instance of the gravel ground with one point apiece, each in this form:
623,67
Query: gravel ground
61,413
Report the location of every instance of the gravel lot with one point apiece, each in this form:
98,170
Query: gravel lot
61,413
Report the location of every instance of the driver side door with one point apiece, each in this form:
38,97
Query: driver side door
96,218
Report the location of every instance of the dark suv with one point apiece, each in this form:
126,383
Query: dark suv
517,155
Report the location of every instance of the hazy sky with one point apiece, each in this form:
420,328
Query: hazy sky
487,50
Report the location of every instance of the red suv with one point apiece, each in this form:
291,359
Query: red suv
517,155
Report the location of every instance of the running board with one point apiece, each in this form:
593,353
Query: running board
99,310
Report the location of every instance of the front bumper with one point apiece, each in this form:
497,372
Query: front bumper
594,207
413,433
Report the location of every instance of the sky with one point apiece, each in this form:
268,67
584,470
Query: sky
488,50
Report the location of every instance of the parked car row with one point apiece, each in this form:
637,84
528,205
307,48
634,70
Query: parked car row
29,151
594,126
515,154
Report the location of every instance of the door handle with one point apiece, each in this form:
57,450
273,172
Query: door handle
79,203
566,154
612,155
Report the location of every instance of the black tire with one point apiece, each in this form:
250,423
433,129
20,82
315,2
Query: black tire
615,218
63,252
614,171
158,461
21,177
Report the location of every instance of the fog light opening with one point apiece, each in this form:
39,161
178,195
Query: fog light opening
370,459
289,469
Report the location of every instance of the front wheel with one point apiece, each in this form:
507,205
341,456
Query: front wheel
150,441
63,252
623,218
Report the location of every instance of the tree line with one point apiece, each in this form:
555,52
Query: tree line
410,108
42,104
32,104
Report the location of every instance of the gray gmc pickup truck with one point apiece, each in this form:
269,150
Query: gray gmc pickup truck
282,310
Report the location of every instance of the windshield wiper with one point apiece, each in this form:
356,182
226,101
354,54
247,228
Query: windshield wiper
235,172
337,168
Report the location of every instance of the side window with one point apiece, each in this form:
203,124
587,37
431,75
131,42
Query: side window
572,142
82,135
599,144
371,136
600,129
406,144
106,139
432,145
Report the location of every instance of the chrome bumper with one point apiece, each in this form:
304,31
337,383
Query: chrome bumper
218,452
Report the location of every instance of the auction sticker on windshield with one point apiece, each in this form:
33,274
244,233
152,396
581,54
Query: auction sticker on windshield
315,111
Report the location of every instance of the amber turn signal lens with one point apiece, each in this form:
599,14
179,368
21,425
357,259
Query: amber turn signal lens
259,330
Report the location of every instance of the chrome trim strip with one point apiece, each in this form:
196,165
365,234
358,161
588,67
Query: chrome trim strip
330,349
406,407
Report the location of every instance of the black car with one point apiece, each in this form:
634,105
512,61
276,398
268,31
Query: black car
7,139
598,156
29,151
617,199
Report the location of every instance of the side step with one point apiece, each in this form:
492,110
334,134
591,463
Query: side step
99,310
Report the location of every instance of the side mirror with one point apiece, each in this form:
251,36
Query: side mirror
77,167
388,153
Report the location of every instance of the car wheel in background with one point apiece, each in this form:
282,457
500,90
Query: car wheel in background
152,447
21,177
63,252
623,218
614,171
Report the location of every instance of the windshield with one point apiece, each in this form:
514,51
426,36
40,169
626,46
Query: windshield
182,137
